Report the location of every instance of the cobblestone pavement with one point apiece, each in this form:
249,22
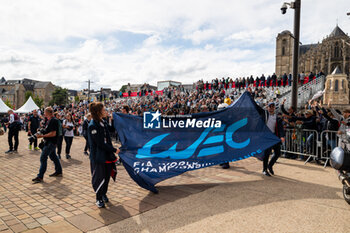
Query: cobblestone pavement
66,204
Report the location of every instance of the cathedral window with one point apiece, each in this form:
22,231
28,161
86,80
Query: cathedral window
284,43
336,50
336,85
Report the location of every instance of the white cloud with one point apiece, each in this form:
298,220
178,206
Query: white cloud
201,35
253,37
152,41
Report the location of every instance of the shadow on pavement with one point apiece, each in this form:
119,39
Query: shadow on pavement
303,166
69,162
13,155
52,188
224,198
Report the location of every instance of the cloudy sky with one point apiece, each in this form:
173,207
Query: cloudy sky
113,42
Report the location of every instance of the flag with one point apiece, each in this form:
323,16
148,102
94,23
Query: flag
157,147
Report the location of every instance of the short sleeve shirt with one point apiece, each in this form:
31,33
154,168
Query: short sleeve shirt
52,125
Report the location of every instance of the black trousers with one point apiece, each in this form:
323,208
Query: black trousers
34,141
101,173
87,147
68,141
59,145
13,133
277,150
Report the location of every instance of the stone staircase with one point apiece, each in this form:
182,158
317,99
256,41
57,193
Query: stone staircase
305,92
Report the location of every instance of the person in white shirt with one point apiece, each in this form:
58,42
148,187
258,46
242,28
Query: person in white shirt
68,129
274,123
14,127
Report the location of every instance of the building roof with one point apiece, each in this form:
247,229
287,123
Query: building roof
337,32
304,48
2,80
285,32
28,87
12,82
40,85
337,71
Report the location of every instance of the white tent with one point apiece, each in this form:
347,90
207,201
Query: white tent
28,106
3,107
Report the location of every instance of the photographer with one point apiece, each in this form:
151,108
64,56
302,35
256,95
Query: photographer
14,126
68,129
102,153
49,148
33,126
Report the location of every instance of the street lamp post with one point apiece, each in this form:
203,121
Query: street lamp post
296,6
89,90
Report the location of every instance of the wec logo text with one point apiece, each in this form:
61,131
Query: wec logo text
172,153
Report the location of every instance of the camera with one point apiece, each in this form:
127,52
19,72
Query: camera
34,136
284,8
69,128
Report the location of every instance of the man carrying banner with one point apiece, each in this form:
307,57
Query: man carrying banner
102,153
274,123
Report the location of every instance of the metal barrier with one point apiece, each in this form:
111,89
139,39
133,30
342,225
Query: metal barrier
301,142
310,143
329,140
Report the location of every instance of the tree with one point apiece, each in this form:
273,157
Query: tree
27,95
59,96
123,88
76,99
38,101
8,103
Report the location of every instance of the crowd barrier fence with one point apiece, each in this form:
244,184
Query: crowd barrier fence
310,143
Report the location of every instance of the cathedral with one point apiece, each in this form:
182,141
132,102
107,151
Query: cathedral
334,51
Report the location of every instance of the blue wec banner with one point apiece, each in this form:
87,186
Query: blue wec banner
155,147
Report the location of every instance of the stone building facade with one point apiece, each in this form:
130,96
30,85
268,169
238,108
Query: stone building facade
334,51
44,91
14,90
336,88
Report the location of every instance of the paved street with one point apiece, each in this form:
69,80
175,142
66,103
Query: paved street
300,198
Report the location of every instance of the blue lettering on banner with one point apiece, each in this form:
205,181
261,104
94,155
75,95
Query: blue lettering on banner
145,151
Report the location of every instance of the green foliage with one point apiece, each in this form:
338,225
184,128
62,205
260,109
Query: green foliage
27,95
123,88
59,96
38,101
8,103
76,99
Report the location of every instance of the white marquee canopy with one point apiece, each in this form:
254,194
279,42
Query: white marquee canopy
28,106
3,107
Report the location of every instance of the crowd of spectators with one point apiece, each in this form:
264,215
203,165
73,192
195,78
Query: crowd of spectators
210,96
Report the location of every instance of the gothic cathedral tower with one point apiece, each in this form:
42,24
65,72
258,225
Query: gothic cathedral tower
284,53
